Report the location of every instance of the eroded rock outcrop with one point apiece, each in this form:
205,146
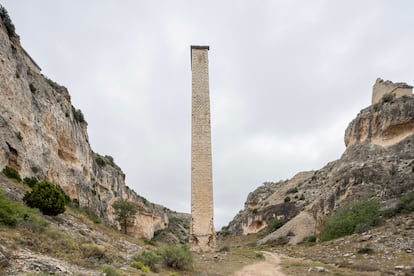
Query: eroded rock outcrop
378,161
43,135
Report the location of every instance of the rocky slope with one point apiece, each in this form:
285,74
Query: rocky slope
378,161
43,135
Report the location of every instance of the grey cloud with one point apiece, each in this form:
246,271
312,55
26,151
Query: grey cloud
285,76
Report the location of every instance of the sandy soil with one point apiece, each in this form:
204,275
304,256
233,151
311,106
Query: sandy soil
269,267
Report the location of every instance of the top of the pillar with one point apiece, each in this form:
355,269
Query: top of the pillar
204,47
198,47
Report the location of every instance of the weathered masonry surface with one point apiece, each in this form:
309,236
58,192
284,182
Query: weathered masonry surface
202,234
382,87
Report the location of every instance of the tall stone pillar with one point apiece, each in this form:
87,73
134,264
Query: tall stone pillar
202,234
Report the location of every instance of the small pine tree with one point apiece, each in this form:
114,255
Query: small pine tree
47,198
125,211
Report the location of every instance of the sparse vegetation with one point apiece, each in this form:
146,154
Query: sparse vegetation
177,257
125,212
53,84
100,161
388,97
4,15
12,173
19,136
147,258
365,250
276,224
30,181
292,190
78,115
95,253
406,204
260,255
279,241
350,218
13,213
47,198
110,271
32,88
302,197
141,266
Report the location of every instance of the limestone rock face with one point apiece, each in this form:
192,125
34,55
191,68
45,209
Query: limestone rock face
378,161
43,135
383,124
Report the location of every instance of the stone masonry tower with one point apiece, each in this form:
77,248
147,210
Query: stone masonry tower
202,234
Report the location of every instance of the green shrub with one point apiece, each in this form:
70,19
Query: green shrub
388,97
30,181
279,241
287,199
47,198
365,250
12,173
276,224
4,15
292,191
78,115
406,203
177,257
302,197
350,218
19,136
32,88
13,213
145,269
110,159
94,217
53,84
110,271
100,161
311,239
95,252
34,169
148,258
137,264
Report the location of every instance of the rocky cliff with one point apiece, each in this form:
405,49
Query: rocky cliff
378,161
43,135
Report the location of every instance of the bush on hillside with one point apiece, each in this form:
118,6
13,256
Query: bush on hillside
148,258
13,213
276,224
30,181
350,218
177,257
406,204
45,196
12,173
292,190
110,271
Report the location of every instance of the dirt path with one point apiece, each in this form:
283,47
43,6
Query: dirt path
268,267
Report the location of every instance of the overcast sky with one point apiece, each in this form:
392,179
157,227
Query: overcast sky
286,78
